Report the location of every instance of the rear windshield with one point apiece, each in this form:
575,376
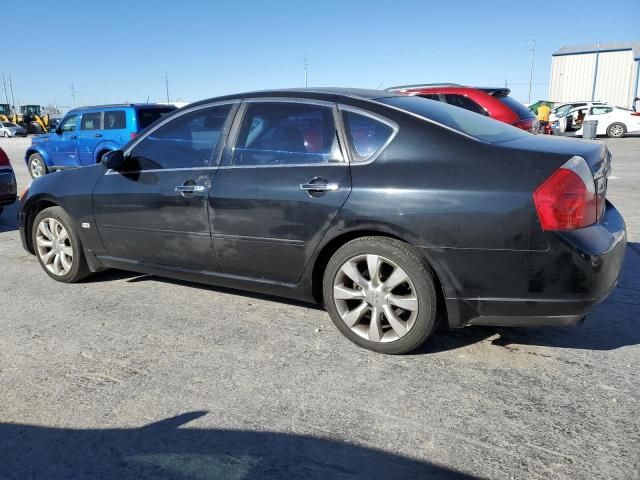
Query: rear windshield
519,109
146,116
477,126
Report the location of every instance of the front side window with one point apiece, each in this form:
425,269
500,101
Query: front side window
287,134
69,124
115,120
187,141
367,135
431,96
464,102
90,121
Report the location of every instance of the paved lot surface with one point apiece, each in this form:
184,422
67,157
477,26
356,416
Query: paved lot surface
133,376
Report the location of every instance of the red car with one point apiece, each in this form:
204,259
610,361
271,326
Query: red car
7,182
492,102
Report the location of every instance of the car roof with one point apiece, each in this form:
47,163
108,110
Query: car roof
330,94
120,105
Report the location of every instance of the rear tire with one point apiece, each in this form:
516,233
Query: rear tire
616,130
400,294
37,167
57,246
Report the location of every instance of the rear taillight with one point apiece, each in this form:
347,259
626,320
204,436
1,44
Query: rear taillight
567,199
134,134
635,114
4,160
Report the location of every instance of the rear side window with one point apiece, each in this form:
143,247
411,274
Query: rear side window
115,120
367,135
147,116
464,102
601,110
91,121
187,141
287,134
517,107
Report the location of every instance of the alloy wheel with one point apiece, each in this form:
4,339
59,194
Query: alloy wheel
616,130
54,247
36,167
375,298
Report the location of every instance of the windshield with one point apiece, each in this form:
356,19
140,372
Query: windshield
464,121
9,125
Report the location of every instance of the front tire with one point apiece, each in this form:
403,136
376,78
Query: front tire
37,167
381,295
57,246
616,130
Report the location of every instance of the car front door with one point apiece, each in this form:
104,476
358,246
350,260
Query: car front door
64,146
283,179
89,136
155,209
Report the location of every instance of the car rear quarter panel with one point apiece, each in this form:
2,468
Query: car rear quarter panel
466,204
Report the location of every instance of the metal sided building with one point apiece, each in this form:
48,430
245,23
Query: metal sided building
607,72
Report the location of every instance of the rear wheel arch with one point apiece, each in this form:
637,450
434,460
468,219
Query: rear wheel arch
332,246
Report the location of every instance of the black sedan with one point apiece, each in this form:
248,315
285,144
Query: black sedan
7,182
395,212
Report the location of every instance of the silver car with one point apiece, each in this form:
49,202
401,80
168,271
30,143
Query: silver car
8,129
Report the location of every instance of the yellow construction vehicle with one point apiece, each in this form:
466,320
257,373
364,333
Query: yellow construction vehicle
6,115
33,120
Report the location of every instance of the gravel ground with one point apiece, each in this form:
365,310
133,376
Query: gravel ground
129,376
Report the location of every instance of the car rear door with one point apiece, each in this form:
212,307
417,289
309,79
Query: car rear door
89,136
283,178
155,210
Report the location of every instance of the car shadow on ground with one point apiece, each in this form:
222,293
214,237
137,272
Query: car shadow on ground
9,218
613,324
162,450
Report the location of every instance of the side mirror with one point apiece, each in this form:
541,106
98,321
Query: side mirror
114,160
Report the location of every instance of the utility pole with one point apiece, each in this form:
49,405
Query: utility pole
306,73
4,86
166,84
13,100
595,73
73,95
533,55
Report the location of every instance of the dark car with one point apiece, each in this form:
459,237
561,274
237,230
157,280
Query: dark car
491,102
7,182
391,210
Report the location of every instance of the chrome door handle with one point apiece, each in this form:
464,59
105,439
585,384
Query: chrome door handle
320,187
187,189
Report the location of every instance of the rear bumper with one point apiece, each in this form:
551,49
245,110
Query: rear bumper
553,287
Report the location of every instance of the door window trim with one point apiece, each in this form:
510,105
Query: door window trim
374,116
240,115
217,153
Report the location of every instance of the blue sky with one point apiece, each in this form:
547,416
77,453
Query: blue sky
114,51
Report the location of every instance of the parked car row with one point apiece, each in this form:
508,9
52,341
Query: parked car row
395,212
9,129
613,122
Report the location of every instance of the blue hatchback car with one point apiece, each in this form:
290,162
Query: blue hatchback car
85,134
